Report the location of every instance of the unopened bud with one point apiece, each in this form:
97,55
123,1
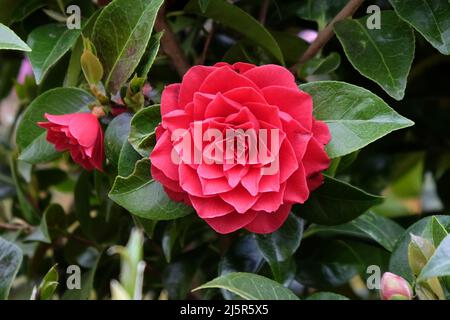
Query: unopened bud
394,287
98,111
90,64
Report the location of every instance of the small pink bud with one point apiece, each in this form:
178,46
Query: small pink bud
394,287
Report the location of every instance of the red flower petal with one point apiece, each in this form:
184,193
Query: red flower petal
269,222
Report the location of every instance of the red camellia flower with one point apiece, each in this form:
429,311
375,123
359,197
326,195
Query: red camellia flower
80,134
238,189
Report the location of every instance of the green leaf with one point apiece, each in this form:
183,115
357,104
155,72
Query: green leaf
369,226
53,220
318,66
355,116
49,43
121,34
10,261
435,231
239,20
144,197
250,286
399,259
115,136
430,17
153,48
127,159
31,138
278,247
47,286
336,262
142,133
383,55
326,296
321,11
439,263
242,256
336,202
203,4
9,40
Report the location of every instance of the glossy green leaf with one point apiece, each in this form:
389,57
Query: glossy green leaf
144,197
10,261
242,256
439,263
127,159
355,116
278,247
115,136
49,43
9,40
430,17
239,20
367,226
318,66
326,296
250,286
383,55
399,259
30,138
121,34
142,133
152,52
336,202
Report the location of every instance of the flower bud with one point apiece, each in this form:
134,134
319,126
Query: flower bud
394,287
90,64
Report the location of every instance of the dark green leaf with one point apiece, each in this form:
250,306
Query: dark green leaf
317,66
30,138
52,222
242,256
153,48
336,202
9,40
144,197
49,43
239,20
279,246
250,286
355,116
430,17
115,136
331,263
321,11
121,34
127,159
10,261
367,226
383,55
142,133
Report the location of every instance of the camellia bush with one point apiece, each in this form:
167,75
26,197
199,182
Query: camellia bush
213,149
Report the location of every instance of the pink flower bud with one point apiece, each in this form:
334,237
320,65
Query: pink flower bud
394,287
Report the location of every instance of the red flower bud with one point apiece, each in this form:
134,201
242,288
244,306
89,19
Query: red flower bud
78,133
